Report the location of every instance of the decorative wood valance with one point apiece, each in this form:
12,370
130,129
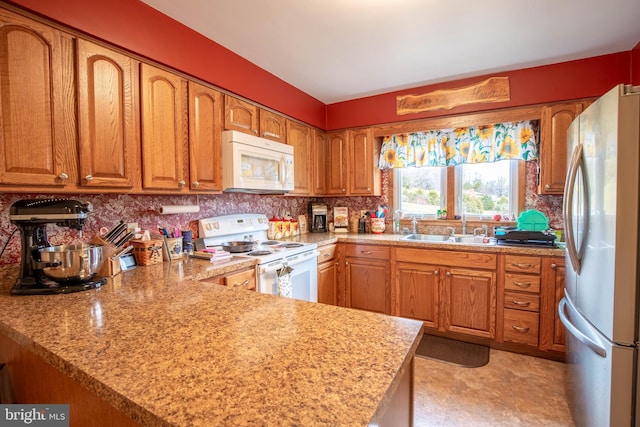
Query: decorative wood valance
494,89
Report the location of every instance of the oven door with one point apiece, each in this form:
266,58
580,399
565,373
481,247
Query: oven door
304,276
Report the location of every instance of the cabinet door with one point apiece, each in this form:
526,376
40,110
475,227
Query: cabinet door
164,130
364,175
108,117
299,137
273,126
418,292
327,282
319,161
552,331
366,284
240,115
553,146
37,104
470,302
205,127
337,163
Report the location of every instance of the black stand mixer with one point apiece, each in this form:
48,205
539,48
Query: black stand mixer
31,217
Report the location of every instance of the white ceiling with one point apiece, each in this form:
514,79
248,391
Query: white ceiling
337,50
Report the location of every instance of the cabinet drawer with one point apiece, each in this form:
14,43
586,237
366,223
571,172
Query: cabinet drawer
522,282
522,301
244,279
522,264
326,253
368,251
521,326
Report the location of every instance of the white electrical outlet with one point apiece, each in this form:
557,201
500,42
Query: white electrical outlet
132,226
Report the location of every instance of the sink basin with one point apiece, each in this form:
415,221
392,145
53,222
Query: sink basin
441,238
427,237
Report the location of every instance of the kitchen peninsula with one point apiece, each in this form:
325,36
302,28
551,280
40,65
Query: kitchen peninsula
158,346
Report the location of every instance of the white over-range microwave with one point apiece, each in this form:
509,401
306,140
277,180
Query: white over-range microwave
251,164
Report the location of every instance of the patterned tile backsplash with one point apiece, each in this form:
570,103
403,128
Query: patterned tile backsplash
144,210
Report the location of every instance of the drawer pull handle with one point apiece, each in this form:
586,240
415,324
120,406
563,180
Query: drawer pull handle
522,265
235,285
520,329
326,255
522,285
366,252
522,303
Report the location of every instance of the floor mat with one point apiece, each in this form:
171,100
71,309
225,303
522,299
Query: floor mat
451,351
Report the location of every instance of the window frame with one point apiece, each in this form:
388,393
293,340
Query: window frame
454,182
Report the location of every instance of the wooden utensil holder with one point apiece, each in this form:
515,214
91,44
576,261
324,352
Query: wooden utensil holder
110,267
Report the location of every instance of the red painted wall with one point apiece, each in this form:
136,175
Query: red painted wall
557,82
635,65
139,28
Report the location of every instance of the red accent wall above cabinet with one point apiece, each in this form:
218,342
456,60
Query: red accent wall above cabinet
583,78
635,65
139,28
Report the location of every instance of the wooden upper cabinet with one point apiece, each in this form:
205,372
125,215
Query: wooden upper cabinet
319,160
240,115
364,175
554,124
273,126
164,130
37,104
299,137
108,117
336,163
205,127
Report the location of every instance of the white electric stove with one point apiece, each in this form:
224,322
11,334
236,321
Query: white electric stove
271,255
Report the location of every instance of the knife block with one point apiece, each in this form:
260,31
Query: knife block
110,267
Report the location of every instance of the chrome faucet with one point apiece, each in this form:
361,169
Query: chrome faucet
414,225
452,231
464,223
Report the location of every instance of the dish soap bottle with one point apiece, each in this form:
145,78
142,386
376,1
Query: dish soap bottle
396,222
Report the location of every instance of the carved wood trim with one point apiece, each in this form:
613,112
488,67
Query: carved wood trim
493,89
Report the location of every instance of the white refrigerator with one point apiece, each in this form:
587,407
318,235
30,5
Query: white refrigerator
600,307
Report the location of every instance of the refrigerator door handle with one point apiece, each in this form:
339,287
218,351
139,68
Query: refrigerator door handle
577,165
573,330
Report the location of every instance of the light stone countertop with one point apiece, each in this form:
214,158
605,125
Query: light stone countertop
167,349
396,241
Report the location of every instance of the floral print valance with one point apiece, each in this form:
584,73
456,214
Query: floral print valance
450,147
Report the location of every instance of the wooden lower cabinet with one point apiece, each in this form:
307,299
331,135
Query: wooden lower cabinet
367,277
469,302
418,288
552,331
445,295
241,279
328,275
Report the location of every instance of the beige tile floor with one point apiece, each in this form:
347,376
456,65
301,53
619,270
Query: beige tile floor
511,390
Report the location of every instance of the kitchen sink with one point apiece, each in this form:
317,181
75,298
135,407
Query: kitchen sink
441,238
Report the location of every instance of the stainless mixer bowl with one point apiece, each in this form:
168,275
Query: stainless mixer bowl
74,263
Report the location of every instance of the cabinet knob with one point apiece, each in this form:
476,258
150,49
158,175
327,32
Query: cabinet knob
181,183
547,186
436,272
344,190
448,273
195,184
89,177
63,176
554,266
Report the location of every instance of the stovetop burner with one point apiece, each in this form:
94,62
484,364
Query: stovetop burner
270,242
291,245
259,253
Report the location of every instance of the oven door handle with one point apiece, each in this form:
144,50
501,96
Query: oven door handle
291,262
